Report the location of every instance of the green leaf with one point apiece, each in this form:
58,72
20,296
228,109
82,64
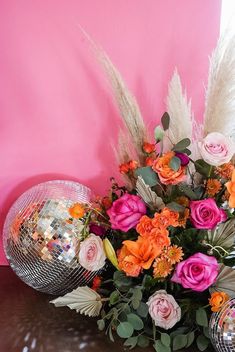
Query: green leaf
143,310
135,303
201,317
131,342
202,342
175,163
111,334
175,206
187,151
165,339
190,338
159,347
114,297
179,341
125,330
101,324
180,146
148,175
165,120
135,321
137,293
121,281
158,134
187,190
206,332
202,167
143,341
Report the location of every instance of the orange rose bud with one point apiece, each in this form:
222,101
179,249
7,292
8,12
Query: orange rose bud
133,164
124,168
217,300
149,161
96,283
77,211
148,148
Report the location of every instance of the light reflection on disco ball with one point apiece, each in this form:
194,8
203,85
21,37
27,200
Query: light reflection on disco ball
222,328
40,242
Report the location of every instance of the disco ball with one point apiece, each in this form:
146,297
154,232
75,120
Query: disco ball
222,328
41,242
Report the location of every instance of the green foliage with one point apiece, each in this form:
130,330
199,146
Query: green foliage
142,310
175,206
135,321
125,330
182,145
101,324
202,167
201,317
131,342
121,281
175,163
148,175
190,338
202,342
143,341
187,191
165,339
136,297
160,347
114,298
179,342
165,120
158,134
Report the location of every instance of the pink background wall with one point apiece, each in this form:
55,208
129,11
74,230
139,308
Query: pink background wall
57,115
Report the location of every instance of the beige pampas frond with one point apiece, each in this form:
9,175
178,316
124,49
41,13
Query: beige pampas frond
179,110
126,103
220,94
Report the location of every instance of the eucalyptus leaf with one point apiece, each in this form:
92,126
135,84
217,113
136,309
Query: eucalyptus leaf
165,120
101,324
159,347
175,163
165,339
135,321
175,206
202,167
201,317
180,146
187,191
158,134
190,338
114,298
111,334
148,175
131,342
202,342
125,330
143,310
179,342
143,341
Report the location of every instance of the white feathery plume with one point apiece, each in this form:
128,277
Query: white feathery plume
179,110
220,94
126,103
84,300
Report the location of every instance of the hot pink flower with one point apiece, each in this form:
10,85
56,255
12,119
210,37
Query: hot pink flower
126,212
205,214
163,309
198,272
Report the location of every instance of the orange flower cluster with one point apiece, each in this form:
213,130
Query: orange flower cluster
149,148
127,167
167,175
77,211
135,256
217,300
225,171
231,190
164,264
213,187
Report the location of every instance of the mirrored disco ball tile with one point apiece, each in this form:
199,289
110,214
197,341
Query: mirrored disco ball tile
40,244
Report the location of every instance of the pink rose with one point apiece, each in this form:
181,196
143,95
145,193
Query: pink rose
126,212
163,309
205,214
198,272
216,149
91,255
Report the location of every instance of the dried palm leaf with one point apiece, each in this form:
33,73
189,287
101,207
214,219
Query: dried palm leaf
126,102
220,102
223,235
149,197
84,300
225,281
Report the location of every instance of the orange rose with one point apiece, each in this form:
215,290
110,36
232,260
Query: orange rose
167,175
76,211
159,237
145,226
217,300
231,189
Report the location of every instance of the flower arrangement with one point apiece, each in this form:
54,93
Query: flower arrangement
168,233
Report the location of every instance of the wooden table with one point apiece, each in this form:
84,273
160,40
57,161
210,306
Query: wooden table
28,323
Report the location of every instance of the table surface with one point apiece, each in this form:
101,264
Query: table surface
29,323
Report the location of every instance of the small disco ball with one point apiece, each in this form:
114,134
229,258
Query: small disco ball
41,242
222,328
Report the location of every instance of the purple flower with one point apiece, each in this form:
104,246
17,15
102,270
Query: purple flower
184,159
97,229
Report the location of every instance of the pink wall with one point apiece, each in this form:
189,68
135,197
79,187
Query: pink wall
57,115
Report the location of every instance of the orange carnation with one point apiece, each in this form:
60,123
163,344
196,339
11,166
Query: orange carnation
167,175
225,170
145,226
231,189
77,211
217,300
159,237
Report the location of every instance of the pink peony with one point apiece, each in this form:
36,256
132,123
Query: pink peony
198,272
205,214
163,309
126,212
216,149
91,255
